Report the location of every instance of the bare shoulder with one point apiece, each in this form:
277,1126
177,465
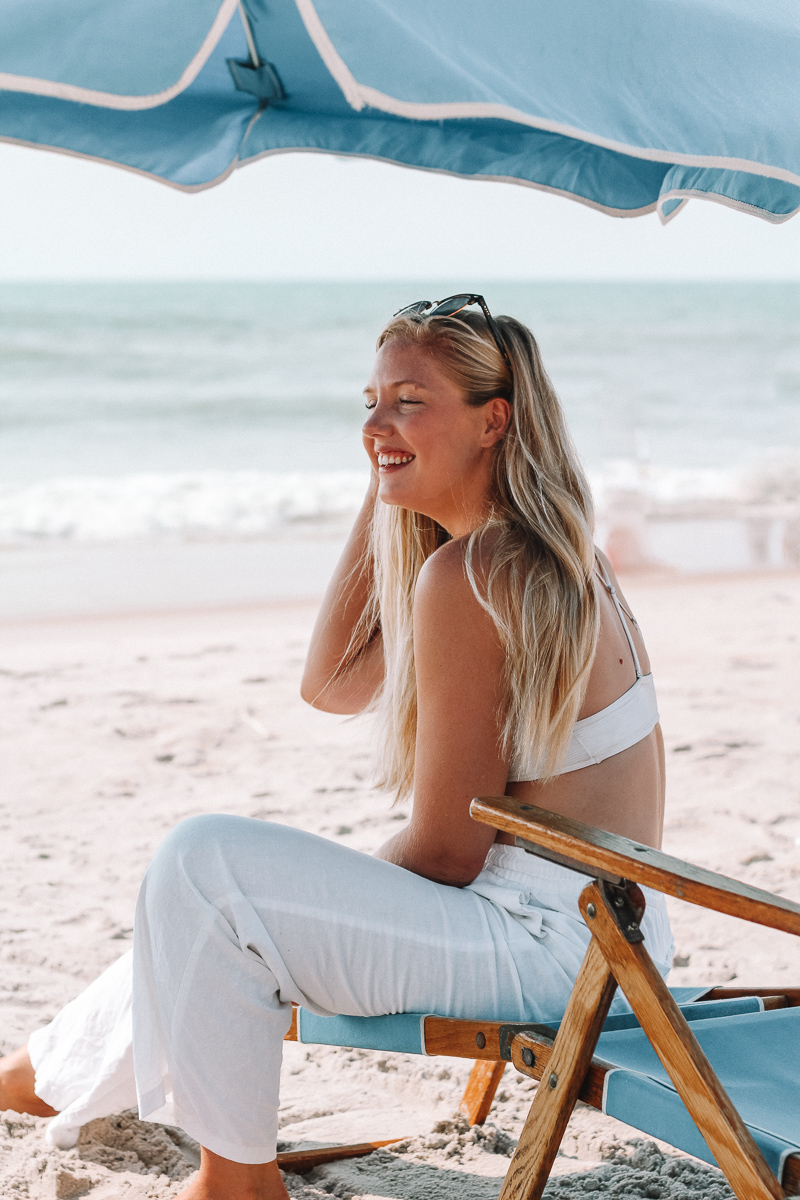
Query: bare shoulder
445,599
443,578
447,566
444,569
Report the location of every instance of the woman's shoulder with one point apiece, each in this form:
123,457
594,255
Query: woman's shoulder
446,566
449,566
449,618
444,582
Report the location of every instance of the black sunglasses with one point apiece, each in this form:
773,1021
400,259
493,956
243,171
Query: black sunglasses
452,305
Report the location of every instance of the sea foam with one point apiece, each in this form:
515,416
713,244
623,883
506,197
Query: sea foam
245,504
232,504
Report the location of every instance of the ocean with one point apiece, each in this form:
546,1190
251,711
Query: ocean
207,434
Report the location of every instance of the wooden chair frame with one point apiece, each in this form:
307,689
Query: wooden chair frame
612,906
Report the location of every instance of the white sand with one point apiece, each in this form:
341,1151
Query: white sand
116,728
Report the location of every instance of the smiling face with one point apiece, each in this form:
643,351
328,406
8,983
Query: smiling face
433,452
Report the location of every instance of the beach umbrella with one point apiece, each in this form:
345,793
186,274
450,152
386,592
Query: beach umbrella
626,105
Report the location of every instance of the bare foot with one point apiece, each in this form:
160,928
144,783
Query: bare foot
16,1086
221,1179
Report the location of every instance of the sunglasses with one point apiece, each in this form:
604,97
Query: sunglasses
452,305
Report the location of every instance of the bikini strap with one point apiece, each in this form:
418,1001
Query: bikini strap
612,591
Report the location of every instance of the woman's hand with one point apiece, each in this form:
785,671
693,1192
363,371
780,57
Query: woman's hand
459,665
335,679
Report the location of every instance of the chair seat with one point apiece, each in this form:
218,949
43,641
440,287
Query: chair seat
404,1033
756,1056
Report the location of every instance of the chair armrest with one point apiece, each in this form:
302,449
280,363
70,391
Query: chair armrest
607,855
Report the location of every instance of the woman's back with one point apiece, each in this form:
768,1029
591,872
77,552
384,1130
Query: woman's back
621,790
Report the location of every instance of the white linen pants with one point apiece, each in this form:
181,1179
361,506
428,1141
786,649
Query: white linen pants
238,918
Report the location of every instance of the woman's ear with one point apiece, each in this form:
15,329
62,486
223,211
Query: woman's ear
497,418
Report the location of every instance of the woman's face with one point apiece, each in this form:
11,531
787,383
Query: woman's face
432,451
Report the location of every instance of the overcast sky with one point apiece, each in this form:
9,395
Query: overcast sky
306,216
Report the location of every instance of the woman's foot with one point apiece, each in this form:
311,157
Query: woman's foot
16,1086
221,1179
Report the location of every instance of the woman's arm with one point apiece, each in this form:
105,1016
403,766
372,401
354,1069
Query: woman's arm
331,681
459,665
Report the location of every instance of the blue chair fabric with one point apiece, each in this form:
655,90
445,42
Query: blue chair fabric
755,1054
757,1059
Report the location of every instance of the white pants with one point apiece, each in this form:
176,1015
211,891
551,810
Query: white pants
237,919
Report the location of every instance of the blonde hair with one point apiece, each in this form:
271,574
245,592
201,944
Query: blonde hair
531,565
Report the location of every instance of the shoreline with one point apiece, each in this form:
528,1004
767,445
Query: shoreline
67,576
646,577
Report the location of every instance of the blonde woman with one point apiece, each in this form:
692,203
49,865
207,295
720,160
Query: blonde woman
473,613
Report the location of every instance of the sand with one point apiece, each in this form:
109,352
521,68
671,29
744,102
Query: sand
115,728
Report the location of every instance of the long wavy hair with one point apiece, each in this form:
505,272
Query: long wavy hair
530,565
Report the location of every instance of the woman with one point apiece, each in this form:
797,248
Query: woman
471,610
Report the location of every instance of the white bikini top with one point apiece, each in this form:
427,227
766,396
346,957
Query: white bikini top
621,725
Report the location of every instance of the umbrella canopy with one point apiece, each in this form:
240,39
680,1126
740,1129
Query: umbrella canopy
626,105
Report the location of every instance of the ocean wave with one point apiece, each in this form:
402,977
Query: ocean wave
773,480
664,485
233,504
246,504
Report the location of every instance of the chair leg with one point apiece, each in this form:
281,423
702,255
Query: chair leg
556,1095
479,1092
673,1041
301,1161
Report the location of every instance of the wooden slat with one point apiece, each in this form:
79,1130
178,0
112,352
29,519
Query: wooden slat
619,856
785,997
671,1037
479,1092
791,1175
458,1038
461,1039
552,1105
292,1034
592,1087
300,1161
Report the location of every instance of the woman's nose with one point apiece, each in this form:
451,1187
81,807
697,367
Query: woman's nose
376,423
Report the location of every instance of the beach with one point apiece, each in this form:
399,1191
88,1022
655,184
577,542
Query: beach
118,725
179,465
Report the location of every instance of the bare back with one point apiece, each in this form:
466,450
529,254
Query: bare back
625,793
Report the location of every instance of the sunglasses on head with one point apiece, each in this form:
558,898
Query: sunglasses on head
452,305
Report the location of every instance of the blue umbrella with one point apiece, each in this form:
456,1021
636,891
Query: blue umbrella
626,105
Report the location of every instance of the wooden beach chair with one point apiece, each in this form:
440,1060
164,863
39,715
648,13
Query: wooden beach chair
660,1068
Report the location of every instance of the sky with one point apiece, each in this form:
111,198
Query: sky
311,216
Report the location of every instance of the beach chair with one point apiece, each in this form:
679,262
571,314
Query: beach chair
712,1071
